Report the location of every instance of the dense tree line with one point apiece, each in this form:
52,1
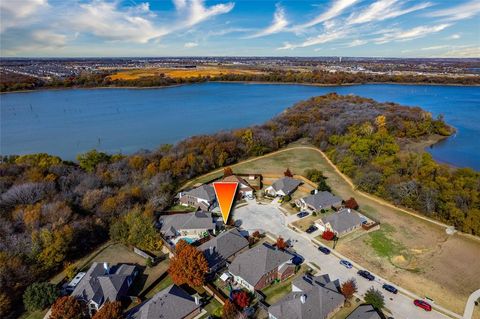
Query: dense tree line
281,76
53,211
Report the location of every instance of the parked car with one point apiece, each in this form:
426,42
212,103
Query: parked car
311,229
365,274
390,288
422,304
346,263
302,214
324,250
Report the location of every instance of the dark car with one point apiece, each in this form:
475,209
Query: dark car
324,250
365,274
422,304
311,229
302,214
390,288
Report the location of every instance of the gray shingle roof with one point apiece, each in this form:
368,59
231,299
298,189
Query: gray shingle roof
286,184
321,298
343,220
101,285
364,312
170,224
254,263
205,192
220,248
322,200
171,303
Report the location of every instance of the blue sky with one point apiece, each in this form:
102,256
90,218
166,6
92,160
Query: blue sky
387,28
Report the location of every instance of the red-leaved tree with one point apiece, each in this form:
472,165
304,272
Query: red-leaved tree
109,310
349,288
188,266
281,244
241,299
328,234
288,173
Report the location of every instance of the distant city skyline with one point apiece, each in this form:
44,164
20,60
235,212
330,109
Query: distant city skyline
128,28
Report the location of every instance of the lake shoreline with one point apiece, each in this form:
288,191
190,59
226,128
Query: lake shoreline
238,82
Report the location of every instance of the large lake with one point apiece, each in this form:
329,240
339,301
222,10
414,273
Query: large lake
68,122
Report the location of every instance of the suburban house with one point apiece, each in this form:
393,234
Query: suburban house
202,197
223,248
194,225
310,298
365,312
319,201
341,222
283,186
244,189
171,303
258,267
102,283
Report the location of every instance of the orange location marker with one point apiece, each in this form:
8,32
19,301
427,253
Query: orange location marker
225,192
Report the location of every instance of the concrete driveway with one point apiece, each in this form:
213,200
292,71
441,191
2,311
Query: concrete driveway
266,217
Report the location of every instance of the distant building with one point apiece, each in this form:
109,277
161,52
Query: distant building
311,298
194,224
170,303
223,248
341,222
258,267
102,283
283,186
319,201
202,197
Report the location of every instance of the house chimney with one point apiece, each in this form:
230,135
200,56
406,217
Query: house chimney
303,298
197,300
211,250
107,269
349,211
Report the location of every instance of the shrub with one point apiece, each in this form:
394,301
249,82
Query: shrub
328,235
40,295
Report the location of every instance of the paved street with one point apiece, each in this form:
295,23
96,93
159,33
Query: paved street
267,217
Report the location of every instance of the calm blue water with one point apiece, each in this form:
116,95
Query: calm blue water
68,122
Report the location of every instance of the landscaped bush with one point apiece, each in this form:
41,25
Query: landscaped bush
328,235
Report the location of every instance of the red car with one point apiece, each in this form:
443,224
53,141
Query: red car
422,304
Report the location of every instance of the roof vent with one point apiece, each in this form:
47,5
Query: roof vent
107,269
303,298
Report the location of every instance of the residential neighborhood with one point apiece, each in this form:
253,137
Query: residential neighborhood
271,260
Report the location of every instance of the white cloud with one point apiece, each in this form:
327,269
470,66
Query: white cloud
468,52
384,9
406,35
322,38
108,21
190,44
279,23
336,9
464,11
17,13
356,43
455,36
195,11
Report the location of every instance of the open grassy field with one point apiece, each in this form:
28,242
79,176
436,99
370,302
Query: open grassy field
135,74
409,251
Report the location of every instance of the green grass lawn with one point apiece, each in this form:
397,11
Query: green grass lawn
382,243
167,281
213,308
39,314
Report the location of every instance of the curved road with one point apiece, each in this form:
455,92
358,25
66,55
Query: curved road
468,313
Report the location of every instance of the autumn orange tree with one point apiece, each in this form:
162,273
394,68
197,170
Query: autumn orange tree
188,266
349,288
288,173
227,171
229,310
110,310
67,307
281,243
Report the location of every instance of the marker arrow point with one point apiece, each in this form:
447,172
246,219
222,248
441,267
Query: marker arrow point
225,192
